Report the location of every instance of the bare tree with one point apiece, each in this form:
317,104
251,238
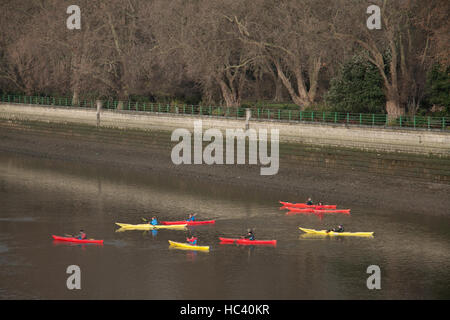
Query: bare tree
399,50
213,55
291,36
229,50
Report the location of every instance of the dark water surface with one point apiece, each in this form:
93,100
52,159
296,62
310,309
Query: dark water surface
39,198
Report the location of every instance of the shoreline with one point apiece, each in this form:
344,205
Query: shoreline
362,138
325,178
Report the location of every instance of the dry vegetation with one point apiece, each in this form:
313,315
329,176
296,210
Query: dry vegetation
224,51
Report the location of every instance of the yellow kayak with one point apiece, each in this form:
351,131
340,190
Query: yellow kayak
188,246
147,226
331,233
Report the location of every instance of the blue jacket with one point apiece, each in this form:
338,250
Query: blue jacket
192,241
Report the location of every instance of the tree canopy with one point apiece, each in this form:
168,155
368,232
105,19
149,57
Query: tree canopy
230,52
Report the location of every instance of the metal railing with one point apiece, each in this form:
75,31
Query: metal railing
359,119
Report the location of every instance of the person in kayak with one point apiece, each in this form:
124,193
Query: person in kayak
340,228
250,235
309,202
191,217
154,221
81,235
192,240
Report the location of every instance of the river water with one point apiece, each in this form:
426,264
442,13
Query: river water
39,198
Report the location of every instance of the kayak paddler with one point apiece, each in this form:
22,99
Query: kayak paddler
309,202
340,228
154,221
192,240
81,235
191,217
250,235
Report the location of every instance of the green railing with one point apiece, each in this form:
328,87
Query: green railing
361,119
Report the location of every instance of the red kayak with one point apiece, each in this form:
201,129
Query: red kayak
319,215
69,239
346,211
246,241
295,210
287,205
189,223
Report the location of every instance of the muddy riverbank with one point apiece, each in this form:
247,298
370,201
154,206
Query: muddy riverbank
389,182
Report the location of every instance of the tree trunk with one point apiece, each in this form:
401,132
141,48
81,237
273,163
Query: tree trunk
278,94
258,82
300,99
75,81
231,96
314,79
230,99
301,87
76,97
278,91
394,108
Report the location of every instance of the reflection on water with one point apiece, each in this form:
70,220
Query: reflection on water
40,197
187,249
73,244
